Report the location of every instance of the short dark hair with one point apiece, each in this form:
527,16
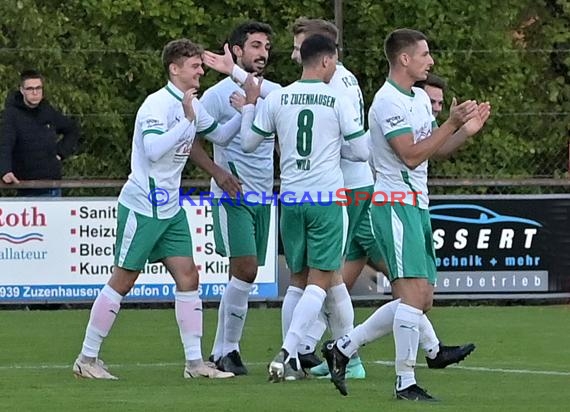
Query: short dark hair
30,74
239,35
316,46
176,50
315,26
401,39
433,81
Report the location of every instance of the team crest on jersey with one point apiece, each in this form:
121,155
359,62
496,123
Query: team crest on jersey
394,121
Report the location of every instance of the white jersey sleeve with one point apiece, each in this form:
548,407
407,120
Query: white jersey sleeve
157,139
239,75
153,120
350,124
389,115
216,133
204,122
264,122
249,139
211,102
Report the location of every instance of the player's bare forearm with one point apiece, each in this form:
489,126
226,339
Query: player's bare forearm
225,180
414,154
452,144
470,128
200,158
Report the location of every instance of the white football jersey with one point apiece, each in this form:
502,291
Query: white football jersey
310,119
161,112
394,112
356,174
255,170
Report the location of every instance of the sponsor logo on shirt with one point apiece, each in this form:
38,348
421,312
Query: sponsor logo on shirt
153,123
394,121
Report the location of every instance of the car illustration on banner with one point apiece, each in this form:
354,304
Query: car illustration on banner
474,214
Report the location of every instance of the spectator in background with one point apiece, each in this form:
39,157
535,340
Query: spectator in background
30,147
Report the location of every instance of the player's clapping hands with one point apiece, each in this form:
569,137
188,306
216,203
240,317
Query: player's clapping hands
477,122
459,114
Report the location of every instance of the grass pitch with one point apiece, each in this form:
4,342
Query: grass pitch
522,363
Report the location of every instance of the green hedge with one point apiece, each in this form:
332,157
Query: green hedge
102,57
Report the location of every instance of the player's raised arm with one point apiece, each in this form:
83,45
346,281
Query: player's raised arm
400,134
252,136
220,134
157,140
224,63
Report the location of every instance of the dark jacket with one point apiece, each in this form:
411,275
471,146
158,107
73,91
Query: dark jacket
29,142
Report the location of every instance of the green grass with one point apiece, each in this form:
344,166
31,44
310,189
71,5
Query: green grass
37,349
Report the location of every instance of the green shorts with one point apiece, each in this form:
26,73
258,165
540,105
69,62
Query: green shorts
313,235
360,240
404,236
141,238
241,230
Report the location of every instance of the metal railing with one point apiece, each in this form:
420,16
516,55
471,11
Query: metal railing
117,183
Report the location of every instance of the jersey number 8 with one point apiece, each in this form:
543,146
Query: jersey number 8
305,132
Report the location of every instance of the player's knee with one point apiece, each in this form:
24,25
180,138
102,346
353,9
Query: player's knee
298,280
428,305
122,280
244,268
246,276
187,280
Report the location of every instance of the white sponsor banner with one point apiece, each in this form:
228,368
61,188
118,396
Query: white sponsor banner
60,250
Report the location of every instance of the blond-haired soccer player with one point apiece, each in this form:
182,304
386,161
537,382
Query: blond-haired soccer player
151,225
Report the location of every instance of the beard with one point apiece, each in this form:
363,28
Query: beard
249,67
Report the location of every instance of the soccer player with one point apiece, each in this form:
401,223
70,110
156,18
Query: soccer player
311,120
148,229
404,135
342,300
241,230
360,241
361,245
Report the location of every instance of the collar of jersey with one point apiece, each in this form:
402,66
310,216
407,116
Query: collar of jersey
310,81
173,90
408,93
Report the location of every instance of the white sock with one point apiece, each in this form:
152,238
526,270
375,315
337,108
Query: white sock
218,346
305,314
103,314
314,334
406,339
428,339
341,312
379,324
290,301
235,299
188,308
